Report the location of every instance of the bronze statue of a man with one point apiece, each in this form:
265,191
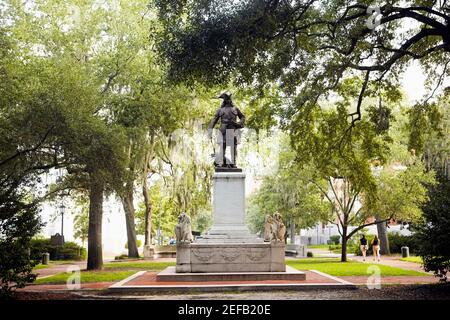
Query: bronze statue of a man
228,115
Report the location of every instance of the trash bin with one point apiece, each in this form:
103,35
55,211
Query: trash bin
45,258
405,252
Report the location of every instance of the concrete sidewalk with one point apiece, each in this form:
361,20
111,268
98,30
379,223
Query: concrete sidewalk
59,268
325,253
391,260
394,261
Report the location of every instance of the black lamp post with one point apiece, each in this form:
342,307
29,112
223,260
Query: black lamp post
62,209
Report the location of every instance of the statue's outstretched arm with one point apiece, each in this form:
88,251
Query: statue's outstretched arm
213,123
214,120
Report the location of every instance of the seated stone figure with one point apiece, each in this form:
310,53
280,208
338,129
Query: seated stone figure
280,227
183,231
274,228
269,235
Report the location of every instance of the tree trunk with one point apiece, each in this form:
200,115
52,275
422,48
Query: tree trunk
148,211
382,235
344,244
95,253
127,202
292,231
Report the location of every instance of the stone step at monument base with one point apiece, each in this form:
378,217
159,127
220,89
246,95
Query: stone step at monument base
229,238
170,275
229,229
229,234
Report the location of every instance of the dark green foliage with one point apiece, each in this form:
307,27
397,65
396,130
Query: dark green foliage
336,248
19,222
397,241
424,119
309,254
308,47
70,250
138,244
433,233
121,257
336,239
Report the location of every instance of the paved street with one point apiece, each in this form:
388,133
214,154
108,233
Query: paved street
392,292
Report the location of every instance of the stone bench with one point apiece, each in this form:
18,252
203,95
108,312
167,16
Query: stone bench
295,250
154,252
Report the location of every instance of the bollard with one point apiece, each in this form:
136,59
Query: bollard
405,252
45,258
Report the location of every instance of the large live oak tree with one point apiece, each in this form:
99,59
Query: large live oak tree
307,46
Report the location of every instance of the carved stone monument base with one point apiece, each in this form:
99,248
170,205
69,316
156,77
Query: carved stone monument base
229,246
230,257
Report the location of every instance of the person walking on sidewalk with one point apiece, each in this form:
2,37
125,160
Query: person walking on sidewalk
376,248
363,246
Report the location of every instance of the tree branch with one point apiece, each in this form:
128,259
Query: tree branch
441,77
366,225
19,153
402,51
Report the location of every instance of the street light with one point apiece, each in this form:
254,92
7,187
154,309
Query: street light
62,209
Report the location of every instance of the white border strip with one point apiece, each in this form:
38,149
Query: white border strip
122,282
331,277
43,277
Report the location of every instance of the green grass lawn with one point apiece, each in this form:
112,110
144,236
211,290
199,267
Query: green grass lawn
413,259
351,268
318,246
87,276
137,265
113,271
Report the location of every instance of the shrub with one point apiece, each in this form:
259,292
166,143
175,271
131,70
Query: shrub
335,247
397,241
309,254
19,222
138,244
336,239
433,232
38,247
70,250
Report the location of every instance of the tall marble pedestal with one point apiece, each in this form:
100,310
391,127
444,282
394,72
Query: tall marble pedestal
229,246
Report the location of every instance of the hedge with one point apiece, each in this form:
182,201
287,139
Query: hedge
396,242
70,250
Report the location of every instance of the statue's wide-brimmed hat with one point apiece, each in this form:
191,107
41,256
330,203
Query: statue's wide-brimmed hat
225,96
